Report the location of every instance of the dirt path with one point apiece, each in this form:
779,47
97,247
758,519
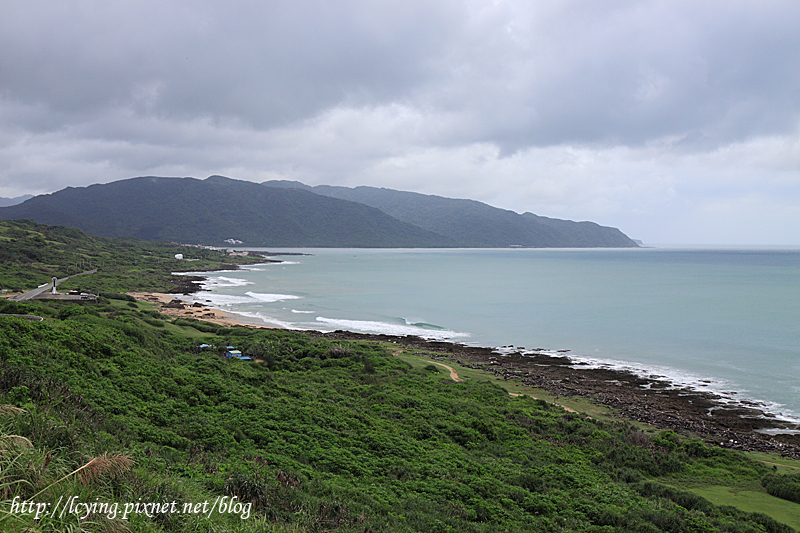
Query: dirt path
454,377
453,374
780,464
564,407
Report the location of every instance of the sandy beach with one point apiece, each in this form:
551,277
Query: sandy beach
170,306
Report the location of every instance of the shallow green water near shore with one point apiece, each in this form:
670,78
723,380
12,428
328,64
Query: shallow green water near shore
722,320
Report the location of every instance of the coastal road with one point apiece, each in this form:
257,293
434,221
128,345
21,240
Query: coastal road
44,288
26,317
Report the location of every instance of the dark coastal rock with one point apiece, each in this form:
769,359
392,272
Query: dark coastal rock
191,284
185,284
174,304
650,400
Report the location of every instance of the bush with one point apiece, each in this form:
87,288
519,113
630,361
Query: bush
687,500
118,296
786,487
205,327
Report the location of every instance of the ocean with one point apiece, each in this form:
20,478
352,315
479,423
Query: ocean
726,321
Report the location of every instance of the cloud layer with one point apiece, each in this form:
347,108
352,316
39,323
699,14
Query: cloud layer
675,121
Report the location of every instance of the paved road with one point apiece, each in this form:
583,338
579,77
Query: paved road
39,290
28,317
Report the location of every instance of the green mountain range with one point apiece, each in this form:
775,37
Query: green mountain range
291,214
473,224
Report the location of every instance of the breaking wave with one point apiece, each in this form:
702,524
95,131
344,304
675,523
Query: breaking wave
385,328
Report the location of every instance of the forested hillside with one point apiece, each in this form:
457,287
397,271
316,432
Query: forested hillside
290,214
213,210
474,224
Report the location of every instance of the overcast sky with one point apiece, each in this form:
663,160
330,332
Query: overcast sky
676,121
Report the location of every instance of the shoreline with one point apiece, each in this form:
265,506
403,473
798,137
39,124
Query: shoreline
642,399
189,282
652,400
171,306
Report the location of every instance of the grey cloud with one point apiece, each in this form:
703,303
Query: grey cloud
514,73
462,98
264,63
714,72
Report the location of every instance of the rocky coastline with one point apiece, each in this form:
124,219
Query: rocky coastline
650,400
184,283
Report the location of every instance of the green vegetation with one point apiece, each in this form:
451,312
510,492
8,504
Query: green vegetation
31,254
576,403
114,403
319,435
474,224
210,211
785,486
752,501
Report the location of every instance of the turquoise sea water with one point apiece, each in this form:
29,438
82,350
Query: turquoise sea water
723,320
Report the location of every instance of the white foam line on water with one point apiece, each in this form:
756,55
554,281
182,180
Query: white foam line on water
269,298
303,312
266,319
227,300
205,273
261,267
726,392
220,300
421,324
778,431
371,326
216,282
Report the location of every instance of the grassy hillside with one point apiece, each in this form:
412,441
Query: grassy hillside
31,254
319,436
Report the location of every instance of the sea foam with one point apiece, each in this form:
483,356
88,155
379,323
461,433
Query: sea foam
385,328
221,300
216,282
266,319
269,298
728,394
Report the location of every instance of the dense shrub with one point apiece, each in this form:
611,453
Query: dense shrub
784,486
372,443
118,296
